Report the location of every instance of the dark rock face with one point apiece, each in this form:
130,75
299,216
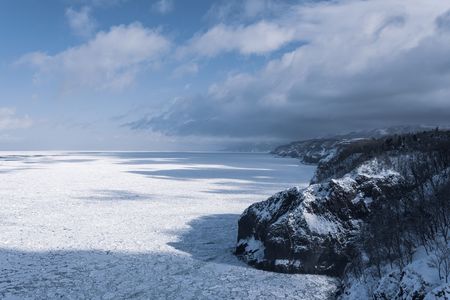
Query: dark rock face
310,230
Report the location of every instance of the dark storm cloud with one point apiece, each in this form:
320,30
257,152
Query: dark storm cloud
367,64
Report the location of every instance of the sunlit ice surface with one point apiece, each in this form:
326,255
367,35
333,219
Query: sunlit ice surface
149,225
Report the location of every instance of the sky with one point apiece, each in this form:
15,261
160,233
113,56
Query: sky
205,74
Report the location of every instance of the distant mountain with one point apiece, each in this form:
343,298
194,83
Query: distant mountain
313,150
377,214
250,147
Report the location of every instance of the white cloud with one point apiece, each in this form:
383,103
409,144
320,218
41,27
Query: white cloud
259,38
81,21
163,6
242,10
110,60
9,119
186,69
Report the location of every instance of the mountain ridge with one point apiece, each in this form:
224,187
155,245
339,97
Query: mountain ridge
312,151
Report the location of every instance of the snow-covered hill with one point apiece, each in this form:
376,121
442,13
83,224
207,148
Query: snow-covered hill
314,150
377,214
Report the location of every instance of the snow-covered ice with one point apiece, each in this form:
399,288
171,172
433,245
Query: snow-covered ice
138,225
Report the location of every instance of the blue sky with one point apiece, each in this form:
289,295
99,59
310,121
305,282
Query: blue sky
190,75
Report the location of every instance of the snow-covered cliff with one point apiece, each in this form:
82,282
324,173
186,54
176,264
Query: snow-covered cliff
363,218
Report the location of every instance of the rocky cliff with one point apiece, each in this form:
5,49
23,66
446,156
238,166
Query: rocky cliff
364,210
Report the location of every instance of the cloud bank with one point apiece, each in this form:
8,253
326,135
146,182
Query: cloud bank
363,64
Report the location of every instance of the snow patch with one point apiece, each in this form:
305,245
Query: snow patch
319,224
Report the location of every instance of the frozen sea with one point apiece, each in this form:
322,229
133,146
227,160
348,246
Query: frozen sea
144,225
